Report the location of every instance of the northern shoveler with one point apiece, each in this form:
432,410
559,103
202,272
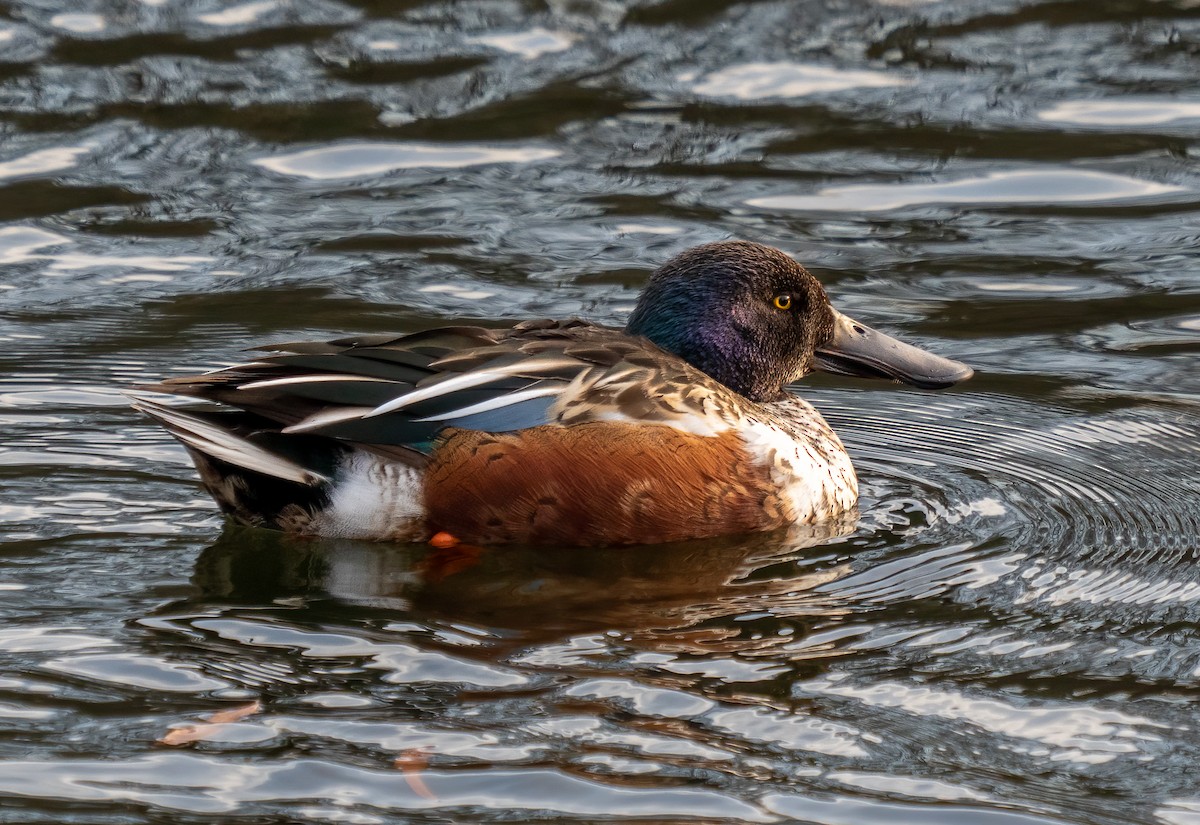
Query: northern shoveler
553,432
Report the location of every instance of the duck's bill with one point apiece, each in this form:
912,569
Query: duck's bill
858,350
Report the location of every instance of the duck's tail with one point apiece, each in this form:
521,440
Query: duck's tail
256,475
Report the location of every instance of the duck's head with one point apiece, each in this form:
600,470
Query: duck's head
754,319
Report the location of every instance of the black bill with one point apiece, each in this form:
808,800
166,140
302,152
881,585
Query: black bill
856,349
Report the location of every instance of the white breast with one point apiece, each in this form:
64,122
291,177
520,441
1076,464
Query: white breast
806,459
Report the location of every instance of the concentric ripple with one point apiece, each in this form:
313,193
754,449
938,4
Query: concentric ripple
1089,507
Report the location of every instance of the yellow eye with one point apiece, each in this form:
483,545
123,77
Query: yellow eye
783,302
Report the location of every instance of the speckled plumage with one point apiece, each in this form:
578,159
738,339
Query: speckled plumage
548,432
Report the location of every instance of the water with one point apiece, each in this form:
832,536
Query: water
1010,635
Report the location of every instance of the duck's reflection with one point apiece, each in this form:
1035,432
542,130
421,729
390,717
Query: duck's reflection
669,591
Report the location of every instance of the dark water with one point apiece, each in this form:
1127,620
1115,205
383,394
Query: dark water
1011,634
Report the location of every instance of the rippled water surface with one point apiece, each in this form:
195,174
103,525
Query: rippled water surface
1010,635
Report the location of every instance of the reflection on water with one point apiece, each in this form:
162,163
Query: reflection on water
79,23
530,44
239,15
754,81
357,160
1007,188
538,591
1121,112
42,161
1007,634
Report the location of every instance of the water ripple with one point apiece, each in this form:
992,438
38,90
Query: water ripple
751,81
1117,486
1050,186
366,159
217,785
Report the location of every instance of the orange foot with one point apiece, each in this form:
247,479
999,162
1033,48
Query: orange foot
449,556
443,540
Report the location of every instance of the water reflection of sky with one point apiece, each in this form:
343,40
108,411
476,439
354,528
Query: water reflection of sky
754,81
366,159
1120,113
1049,186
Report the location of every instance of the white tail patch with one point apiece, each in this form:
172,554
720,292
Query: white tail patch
375,499
224,445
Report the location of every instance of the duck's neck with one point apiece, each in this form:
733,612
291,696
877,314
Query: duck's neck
720,350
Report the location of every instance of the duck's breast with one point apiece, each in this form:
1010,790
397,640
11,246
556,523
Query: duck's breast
806,460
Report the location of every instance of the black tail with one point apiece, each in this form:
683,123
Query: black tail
257,475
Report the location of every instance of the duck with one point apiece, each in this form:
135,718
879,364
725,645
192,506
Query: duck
679,426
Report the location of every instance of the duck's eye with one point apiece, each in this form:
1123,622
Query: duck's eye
783,302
